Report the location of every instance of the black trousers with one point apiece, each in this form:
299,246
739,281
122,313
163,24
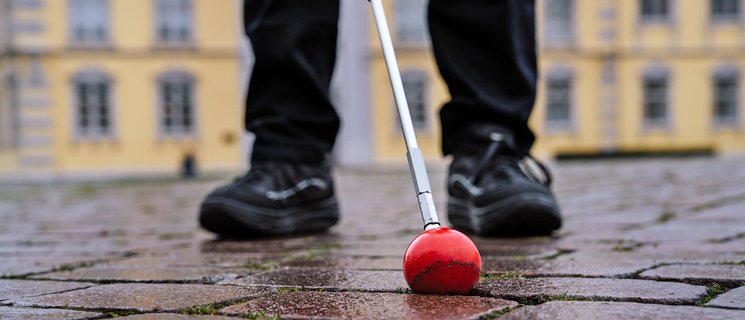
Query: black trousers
485,50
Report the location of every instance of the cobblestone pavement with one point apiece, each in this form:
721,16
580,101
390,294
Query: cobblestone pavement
662,239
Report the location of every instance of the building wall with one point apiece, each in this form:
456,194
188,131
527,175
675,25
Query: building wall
133,59
609,51
690,46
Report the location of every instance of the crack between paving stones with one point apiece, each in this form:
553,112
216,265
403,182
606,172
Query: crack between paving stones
540,299
65,267
217,306
116,281
559,253
99,310
106,312
736,237
727,200
56,292
497,313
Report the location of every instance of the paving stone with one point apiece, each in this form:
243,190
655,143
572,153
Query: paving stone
12,313
22,288
609,208
617,263
539,289
501,249
23,265
698,231
574,310
342,262
390,281
112,246
734,299
141,297
147,274
732,213
359,305
591,263
722,273
194,257
172,316
261,245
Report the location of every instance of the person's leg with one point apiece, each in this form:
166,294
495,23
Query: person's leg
289,188
288,106
485,50
486,53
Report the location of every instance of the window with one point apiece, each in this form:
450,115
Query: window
10,129
176,104
93,109
655,100
559,25
655,10
89,22
36,77
415,85
725,98
410,21
559,101
174,22
725,10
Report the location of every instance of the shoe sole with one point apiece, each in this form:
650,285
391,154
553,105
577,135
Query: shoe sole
520,215
228,217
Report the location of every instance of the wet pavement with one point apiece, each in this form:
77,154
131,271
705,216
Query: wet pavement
643,239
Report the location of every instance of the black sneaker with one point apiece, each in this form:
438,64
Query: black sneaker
495,190
273,199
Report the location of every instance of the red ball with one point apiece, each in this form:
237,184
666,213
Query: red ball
442,261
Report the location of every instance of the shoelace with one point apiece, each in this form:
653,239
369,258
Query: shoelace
532,168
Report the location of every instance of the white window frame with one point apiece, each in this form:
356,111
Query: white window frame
551,36
410,23
729,73
10,128
176,76
658,74
161,18
419,107
566,75
93,77
726,18
74,16
657,19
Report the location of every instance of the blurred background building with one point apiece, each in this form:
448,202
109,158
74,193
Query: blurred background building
617,76
116,87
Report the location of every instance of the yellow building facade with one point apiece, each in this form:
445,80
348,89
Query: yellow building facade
616,76
111,87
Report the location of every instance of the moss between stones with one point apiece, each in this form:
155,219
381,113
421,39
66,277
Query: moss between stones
71,266
502,276
120,313
261,266
559,253
712,291
736,237
314,253
261,315
627,246
285,290
202,310
496,314
666,216
404,291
